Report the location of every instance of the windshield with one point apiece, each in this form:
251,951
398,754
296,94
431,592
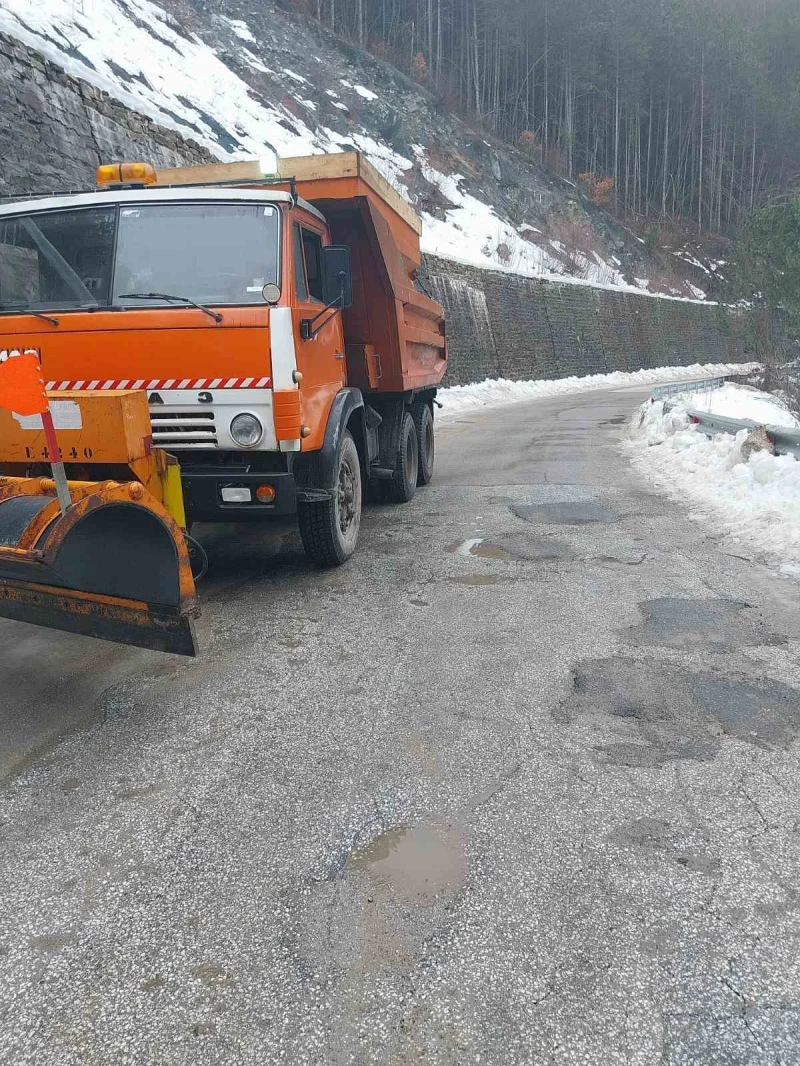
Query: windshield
212,253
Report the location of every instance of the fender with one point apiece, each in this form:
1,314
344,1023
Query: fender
314,471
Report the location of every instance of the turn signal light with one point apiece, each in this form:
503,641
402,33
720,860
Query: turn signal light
265,493
124,173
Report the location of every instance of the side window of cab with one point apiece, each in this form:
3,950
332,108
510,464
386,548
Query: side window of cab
307,263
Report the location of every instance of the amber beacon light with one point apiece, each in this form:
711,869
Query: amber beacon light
125,173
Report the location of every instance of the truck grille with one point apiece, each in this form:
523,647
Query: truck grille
195,430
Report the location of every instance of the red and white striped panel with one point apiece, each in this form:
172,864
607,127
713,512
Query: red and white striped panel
159,383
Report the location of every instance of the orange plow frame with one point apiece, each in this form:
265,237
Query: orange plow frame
114,565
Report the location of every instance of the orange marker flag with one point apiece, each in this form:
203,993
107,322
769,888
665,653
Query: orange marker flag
22,391
21,385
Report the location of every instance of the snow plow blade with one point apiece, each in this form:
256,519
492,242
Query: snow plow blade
113,566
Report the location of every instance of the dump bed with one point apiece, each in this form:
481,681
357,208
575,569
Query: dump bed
393,332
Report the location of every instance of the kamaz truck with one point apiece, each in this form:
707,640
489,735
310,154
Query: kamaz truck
224,343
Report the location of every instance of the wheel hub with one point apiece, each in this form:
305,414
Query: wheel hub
346,496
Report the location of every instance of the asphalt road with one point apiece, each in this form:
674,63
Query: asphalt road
519,785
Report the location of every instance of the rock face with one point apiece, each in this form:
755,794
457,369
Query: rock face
56,129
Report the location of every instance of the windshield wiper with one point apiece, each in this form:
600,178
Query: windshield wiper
168,296
36,314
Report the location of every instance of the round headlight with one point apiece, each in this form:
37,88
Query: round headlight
246,431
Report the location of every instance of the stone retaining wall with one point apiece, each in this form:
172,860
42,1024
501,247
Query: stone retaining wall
503,325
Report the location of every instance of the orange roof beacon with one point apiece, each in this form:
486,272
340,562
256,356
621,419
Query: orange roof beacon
219,343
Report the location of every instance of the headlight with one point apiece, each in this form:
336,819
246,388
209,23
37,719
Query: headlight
246,431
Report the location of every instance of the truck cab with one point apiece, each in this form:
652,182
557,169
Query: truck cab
288,357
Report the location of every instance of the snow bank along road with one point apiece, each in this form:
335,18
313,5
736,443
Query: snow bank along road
754,500
518,785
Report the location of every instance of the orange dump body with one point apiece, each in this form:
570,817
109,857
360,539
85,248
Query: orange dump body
394,333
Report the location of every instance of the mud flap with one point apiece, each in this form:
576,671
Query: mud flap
113,567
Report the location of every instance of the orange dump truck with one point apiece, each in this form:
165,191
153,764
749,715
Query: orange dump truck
219,343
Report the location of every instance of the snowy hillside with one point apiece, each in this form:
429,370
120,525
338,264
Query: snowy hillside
237,82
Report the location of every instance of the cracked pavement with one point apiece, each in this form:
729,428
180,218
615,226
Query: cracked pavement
518,785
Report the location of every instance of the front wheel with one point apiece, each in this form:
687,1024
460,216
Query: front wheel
329,528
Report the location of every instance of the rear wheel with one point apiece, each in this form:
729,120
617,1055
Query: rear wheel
329,528
404,481
423,423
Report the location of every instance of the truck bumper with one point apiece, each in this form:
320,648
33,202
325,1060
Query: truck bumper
203,496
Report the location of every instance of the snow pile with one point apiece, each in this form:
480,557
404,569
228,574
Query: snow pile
145,59
740,401
755,502
495,392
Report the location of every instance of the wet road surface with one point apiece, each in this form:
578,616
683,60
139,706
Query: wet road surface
519,785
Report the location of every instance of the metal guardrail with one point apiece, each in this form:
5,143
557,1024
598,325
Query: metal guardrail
785,441
663,392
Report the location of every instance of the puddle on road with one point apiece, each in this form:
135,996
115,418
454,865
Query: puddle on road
511,549
478,547
384,901
415,864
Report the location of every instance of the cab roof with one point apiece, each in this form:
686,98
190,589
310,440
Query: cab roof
154,194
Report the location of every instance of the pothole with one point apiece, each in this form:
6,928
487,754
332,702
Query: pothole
714,623
617,420
567,512
649,714
386,901
665,841
480,548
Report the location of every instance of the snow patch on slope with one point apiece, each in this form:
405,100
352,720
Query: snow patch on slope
473,232
241,29
140,56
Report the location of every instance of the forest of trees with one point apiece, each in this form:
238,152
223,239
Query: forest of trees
666,109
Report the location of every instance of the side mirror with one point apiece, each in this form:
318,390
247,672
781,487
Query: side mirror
337,276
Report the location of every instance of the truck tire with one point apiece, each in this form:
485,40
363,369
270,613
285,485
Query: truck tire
329,528
404,482
423,423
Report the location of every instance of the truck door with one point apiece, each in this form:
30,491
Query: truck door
320,359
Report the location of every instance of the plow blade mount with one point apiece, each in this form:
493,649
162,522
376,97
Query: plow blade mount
113,566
